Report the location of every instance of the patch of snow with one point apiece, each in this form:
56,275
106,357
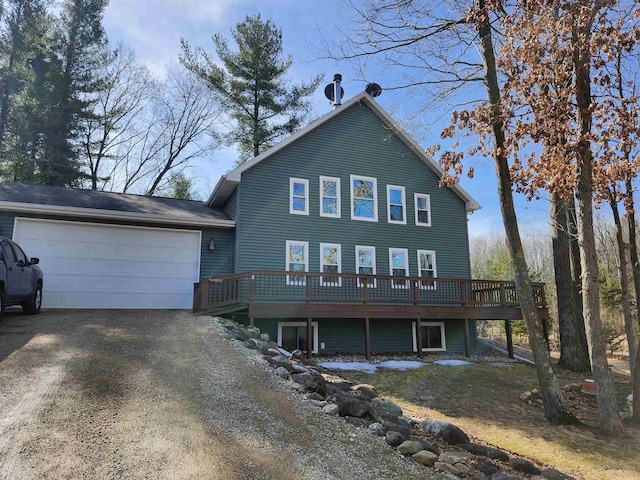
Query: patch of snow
452,363
371,368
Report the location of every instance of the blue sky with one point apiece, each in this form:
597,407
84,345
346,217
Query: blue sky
154,28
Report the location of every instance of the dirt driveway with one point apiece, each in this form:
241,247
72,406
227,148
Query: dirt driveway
142,394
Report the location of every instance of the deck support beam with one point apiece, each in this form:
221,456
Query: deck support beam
367,339
467,340
419,337
509,332
309,336
251,322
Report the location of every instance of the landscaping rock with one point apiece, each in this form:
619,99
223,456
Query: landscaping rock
282,372
251,343
384,408
485,451
425,457
409,448
264,337
300,368
524,466
486,468
357,422
315,396
453,435
298,354
394,427
502,476
351,406
331,409
525,396
553,474
320,403
267,350
338,382
432,426
429,447
253,332
367,391
455,457
281,358
445,467
239,334
377,429
275,363
394,438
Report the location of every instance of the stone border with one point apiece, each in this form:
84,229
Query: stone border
435,444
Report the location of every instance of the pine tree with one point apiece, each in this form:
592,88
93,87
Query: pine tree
265,105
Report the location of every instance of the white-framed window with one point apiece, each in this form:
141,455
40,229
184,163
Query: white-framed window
364,198
366,263
396,205
329,197
330,262
433,338
297,260
427,268
399,266
423,209
298,196
293,336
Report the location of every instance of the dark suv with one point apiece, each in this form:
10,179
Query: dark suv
20,278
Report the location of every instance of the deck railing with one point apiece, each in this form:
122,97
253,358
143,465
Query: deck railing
241,289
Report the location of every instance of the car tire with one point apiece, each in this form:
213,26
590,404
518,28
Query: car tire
32,306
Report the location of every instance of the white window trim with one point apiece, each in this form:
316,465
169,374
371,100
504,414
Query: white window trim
404,205
375,197
406,266
415,201
429,324
322,213
373,249
314,349
306,197
306,260
435,268
339,248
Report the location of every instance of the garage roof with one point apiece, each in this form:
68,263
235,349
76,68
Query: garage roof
42,199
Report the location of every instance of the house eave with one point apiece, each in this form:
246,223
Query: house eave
223,189
112,215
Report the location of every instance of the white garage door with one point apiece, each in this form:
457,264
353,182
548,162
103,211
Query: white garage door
106,266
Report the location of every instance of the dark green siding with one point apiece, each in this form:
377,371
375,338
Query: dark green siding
231,207
217,262
354,142
387,336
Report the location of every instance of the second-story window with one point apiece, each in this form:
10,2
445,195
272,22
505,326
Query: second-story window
396,205
329,197
399,266
427,268
330,262
299,196
364,198
423,209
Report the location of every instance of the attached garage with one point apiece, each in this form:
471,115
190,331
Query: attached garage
108,250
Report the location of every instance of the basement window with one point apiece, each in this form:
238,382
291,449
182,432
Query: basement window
293,336
433,337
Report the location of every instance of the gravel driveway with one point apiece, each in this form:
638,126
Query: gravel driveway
146,394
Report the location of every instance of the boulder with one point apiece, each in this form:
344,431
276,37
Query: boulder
524,466
453,457
275,363
483,451
486,468
264,337
432,426
253,332
310,383
502,476
446,467
331,409
553,474
239,334
367,391
315,396
357,422
299,368
453,435
425,457
251,344
525,396
268,350
351,406
384,408
394,427
281,358
429,447
394,438
377,429
282,372
409,448
339,382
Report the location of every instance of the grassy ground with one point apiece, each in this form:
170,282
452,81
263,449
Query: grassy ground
484,400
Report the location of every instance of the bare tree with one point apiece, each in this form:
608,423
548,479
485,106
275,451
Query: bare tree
117,123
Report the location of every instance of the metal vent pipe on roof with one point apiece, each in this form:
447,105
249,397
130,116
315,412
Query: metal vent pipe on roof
337,91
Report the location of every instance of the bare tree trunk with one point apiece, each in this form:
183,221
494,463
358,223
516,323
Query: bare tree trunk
555,408
576,279
605,392
572,356
624,283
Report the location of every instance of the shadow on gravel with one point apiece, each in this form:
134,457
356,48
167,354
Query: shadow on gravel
14,333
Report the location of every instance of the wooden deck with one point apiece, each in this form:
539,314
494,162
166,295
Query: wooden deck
308,295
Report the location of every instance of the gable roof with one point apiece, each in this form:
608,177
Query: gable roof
41,199
227,183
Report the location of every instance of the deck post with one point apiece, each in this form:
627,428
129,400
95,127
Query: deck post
205,299
309,336
467,341
367,339
509,332
251,322
419,337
